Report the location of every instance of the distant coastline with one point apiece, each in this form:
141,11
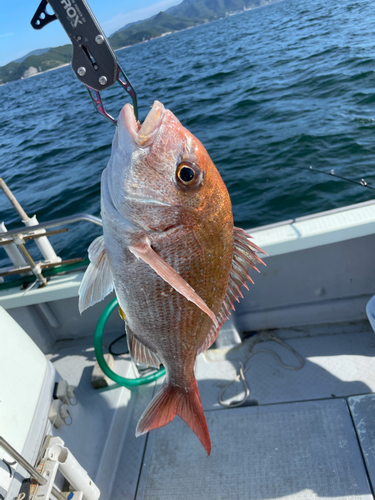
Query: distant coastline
178,18
45,71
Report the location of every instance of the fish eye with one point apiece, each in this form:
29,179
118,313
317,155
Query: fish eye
189,174
186,174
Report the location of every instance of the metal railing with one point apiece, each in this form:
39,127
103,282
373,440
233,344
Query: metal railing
19,237
14,241
53,223
29,468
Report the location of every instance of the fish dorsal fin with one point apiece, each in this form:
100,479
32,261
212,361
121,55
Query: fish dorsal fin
139,352
244,259
164,270
97,281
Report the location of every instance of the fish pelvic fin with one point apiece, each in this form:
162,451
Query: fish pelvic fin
173,400
145,252
244,259
140,352
97,281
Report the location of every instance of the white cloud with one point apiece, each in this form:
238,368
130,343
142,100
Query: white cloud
120,20
5,35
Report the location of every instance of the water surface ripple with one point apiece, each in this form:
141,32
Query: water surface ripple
288,85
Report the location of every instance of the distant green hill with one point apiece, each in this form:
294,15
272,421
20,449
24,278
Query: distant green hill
186,14
151,28
35,64
145,30
212,9
36,52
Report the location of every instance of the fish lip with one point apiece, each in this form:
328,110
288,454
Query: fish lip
127,115
135,129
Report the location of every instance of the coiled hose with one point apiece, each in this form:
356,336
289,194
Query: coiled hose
98,346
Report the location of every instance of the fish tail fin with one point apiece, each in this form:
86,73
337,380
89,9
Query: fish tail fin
170,401
191,411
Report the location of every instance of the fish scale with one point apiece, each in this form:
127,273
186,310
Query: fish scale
174,257
162,304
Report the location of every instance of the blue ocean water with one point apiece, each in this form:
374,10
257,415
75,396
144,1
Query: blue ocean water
269,92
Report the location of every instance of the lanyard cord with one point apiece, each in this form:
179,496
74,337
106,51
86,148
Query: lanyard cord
243,369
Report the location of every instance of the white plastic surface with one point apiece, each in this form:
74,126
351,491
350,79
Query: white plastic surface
22,375
322,229
72,470
12,251
43,243
59,288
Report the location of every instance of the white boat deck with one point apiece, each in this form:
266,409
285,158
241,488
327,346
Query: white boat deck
297,442
301,435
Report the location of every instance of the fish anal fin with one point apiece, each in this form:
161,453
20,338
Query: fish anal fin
244,259
170,401
145,252
97,280
139,352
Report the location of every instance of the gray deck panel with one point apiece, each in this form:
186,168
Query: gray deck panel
298,451
336,365
104,420
95,411
363,412
130,462
335,359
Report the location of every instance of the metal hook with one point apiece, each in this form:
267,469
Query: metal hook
129,89
98,103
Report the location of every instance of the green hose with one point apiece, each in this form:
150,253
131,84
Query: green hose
98,346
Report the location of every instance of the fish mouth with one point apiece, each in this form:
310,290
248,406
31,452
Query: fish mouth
143,136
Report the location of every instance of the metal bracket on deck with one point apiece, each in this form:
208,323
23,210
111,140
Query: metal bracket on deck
56,458
44,477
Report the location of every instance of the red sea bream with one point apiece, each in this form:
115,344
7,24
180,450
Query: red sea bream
172,254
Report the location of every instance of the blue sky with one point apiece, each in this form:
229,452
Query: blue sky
17,37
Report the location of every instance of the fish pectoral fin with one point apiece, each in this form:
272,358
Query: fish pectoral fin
139,352
243,260
97,281
164,270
